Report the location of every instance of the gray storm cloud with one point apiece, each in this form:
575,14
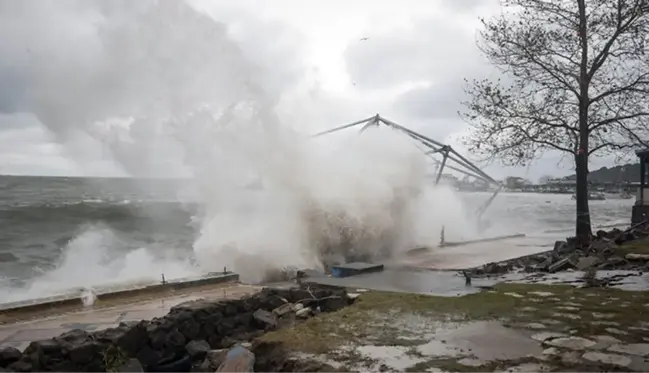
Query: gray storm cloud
74,63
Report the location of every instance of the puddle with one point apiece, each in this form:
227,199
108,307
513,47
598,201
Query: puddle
395,357
490,340
475,343
439,348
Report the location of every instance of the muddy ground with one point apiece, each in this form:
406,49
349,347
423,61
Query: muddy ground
512,327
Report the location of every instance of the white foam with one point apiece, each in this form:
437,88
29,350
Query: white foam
90,261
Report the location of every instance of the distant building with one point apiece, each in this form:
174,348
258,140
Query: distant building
561,182
446,179
513,182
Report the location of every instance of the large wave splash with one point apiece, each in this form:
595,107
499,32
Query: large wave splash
188,102
323,200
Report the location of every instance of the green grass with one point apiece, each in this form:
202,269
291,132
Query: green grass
636,247
374,319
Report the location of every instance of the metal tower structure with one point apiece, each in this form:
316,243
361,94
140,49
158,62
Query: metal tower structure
451,159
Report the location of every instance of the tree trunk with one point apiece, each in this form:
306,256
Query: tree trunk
583,230
582,227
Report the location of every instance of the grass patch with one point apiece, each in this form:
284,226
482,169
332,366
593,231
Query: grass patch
636,247
381,318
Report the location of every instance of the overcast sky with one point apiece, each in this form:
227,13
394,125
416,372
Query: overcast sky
325,63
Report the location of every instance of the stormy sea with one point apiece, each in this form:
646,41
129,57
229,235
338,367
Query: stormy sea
59,234
165,89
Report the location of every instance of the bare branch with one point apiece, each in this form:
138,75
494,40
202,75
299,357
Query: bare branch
541,51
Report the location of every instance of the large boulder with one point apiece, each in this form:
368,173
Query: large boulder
238,359
8,356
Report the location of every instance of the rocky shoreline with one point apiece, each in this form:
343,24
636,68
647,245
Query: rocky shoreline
606,251
200,336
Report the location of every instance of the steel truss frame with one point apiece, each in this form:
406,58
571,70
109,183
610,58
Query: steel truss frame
457,162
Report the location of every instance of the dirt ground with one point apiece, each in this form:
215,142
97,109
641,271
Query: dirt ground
510,327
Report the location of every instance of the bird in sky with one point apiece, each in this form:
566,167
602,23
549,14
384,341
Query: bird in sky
365,38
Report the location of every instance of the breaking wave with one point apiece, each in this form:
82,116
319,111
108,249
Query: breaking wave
155,98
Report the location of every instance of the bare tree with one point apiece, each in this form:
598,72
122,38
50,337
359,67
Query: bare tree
575,80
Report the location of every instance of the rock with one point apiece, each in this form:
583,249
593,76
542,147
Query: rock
496,268
543,336
587,262
178,341
562,264
611,359
148,356
603,245
174,340
603,341
84,353
637,257
333,303
191,328
22,365
9,355
266,319
214,359
284,309
551,351
304,313
602,234
227,342
353,296
197,350
613,262
545,264
211,363
132,365
637,349
572,343
129,337
562,247
571,357
238,359
534,326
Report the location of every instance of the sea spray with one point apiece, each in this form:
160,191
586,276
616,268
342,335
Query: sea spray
321,202
157,88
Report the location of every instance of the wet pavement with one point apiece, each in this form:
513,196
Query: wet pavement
118,290
446,283
475,254
20,334
451,283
